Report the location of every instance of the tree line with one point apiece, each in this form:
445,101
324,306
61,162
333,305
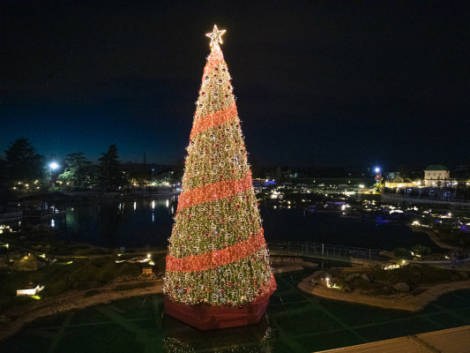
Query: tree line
24,168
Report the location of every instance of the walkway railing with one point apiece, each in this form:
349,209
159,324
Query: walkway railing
311,249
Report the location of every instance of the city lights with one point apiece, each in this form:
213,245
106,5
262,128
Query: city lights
391,267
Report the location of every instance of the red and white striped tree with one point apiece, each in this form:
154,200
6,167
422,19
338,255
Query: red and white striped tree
217,253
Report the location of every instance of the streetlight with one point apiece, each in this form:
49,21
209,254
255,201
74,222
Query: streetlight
53,166
378,175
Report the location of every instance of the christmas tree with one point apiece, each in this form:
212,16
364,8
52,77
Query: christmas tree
218,261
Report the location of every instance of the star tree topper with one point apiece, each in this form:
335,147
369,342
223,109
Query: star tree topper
216,36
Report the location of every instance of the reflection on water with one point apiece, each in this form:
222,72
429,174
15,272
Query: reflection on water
147,222
180,338
119,223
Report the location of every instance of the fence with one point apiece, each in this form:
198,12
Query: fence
310,249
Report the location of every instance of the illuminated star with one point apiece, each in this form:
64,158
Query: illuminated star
216,36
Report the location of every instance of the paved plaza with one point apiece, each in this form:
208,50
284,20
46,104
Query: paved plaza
295,323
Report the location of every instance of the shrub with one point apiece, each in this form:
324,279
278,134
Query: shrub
402,253
421,249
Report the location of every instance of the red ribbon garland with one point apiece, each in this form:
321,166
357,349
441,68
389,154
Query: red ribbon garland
216,258
215,191
214,119
215,59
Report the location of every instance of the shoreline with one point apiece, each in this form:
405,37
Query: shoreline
24,314
387,197
435,239
405,302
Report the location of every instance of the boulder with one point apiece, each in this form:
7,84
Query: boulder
320,274
26,263
351,276
401,287
308,264
3,263
463,274
4,320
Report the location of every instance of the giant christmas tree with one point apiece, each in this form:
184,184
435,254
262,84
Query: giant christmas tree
217,270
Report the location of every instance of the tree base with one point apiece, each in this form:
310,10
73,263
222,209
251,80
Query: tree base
208,317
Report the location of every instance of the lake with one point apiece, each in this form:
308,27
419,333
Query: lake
148,222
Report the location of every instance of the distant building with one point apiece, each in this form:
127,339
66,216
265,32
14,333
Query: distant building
437,175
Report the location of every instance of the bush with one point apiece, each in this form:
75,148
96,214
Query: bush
421,249
402,253
414,275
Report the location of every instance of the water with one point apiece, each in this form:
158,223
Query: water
295,323
291,224
146,222
135,223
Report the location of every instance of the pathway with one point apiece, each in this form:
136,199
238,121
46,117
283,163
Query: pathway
453,340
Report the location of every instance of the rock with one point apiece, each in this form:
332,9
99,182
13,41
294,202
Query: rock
4,319
401,287
320,274
365,277
3,263
463,274
352,276
308,264
26,263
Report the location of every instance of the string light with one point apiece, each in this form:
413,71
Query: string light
217,251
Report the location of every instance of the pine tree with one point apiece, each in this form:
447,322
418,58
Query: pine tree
22,162
110,176
217,252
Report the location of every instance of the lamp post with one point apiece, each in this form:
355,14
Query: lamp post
53,167
378,173
378,177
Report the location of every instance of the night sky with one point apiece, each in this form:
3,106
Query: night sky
323,83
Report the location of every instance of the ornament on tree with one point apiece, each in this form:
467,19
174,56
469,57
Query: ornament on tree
217,246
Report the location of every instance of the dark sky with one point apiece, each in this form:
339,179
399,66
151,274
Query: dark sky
318,83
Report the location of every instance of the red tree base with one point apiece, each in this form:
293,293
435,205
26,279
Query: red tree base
208,317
